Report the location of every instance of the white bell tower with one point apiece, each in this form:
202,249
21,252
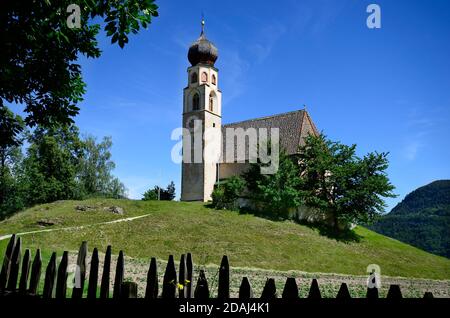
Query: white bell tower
202,111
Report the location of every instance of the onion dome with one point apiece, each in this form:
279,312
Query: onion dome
203,51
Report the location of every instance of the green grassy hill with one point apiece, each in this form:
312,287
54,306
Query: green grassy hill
249,241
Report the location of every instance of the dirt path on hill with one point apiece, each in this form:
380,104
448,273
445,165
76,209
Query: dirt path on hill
79,227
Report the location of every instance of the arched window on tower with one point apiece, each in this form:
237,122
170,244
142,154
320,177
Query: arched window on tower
212,101
195,102
204,77
194,78
213,79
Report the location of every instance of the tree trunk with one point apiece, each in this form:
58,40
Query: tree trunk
336,224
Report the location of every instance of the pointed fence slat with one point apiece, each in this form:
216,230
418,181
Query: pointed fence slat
394,292
15,266
35,276
270,290
93,275
428,295
80,275
201,289
61,279
26,264
343,292
189,273
290,290
57,277
104,286
245,290
224,279
151,291
372,290
170,280
372,293
50,275
314,291
4,274
182,278
118,279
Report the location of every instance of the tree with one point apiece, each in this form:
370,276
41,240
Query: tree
170,192
158,193
11,199
95,167
116,189
226,194
276,193
10,159
336,181
39,51
50,167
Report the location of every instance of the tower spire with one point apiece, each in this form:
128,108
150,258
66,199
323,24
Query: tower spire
203,24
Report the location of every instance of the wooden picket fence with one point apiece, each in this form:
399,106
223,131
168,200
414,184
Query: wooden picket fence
56,277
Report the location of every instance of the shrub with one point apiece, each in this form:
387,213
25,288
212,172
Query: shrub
150,194
226,194
275,194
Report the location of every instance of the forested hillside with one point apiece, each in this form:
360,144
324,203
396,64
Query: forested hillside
422,219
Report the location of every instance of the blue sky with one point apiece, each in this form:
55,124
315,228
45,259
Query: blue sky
384,89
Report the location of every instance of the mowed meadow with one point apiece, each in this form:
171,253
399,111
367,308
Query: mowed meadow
163,228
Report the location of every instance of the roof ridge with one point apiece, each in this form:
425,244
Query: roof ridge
266,117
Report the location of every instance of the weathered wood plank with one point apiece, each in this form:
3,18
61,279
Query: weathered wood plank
189,275
170,280
245,290
104,286
50,276
93,275
372,293
151,291
35,277
224,279
290,290
61,280
201,289
80,274
394,292
372,290
15,266
118,279
270,290
314,291
182,277
343,292
4,274
26,264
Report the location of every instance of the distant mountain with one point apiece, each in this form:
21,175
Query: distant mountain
422,219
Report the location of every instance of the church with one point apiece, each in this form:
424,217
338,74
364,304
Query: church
202,111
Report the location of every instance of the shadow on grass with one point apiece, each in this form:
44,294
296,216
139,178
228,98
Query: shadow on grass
262,214
346,235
